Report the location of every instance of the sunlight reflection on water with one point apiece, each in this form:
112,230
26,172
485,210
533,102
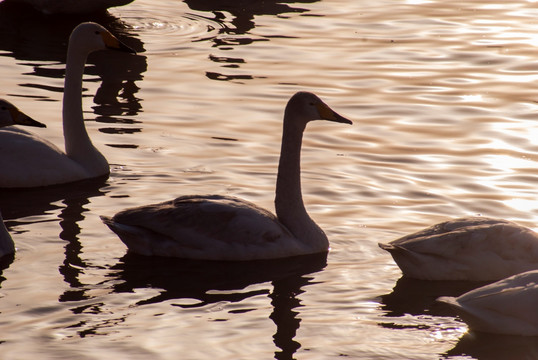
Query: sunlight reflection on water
442,97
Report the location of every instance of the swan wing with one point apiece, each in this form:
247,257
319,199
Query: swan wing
27,160
467,249
210,227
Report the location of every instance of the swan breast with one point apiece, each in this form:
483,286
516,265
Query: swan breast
33,161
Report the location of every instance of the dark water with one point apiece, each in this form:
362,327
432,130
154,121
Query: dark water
442,95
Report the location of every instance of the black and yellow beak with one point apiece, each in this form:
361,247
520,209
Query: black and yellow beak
112,42
21,118
327,113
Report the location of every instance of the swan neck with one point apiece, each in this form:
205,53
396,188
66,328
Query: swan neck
77,141
289,204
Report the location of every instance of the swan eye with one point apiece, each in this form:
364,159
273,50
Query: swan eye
97,32
3,108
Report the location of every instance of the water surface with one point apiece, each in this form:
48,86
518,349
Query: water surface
442,95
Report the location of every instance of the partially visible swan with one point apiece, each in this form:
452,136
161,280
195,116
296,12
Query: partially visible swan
508,306
10,115
476,249
7,246
70,6
27,160
219,227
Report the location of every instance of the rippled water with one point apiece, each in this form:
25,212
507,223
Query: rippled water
443,99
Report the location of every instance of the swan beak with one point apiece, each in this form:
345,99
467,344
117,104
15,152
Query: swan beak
21,118
112,42
326,113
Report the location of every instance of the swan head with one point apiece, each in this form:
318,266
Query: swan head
305,107
95,37
10,115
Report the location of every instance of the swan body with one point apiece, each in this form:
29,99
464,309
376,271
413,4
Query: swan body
71,7
215,227
27,160
508,306
7,246
10,115
476,249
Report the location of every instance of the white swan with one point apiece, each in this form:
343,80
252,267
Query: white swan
7,246
217,227
509,306
10,115
476,249
27,160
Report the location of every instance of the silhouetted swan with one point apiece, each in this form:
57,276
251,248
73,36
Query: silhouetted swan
508,306
219,227
475,248
27,160
10,115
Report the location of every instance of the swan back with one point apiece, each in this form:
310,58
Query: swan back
508,306
10,115
475,249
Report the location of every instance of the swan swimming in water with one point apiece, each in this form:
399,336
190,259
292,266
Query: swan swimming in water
476,249
508,306
218,227
27,160
10,115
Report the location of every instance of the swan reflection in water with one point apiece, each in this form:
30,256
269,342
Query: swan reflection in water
50,7
484,346
236,29
70,200
210,282
418,298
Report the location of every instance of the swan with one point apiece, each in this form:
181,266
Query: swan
27,160
475,249
219,227
508,306
7,246
10,115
